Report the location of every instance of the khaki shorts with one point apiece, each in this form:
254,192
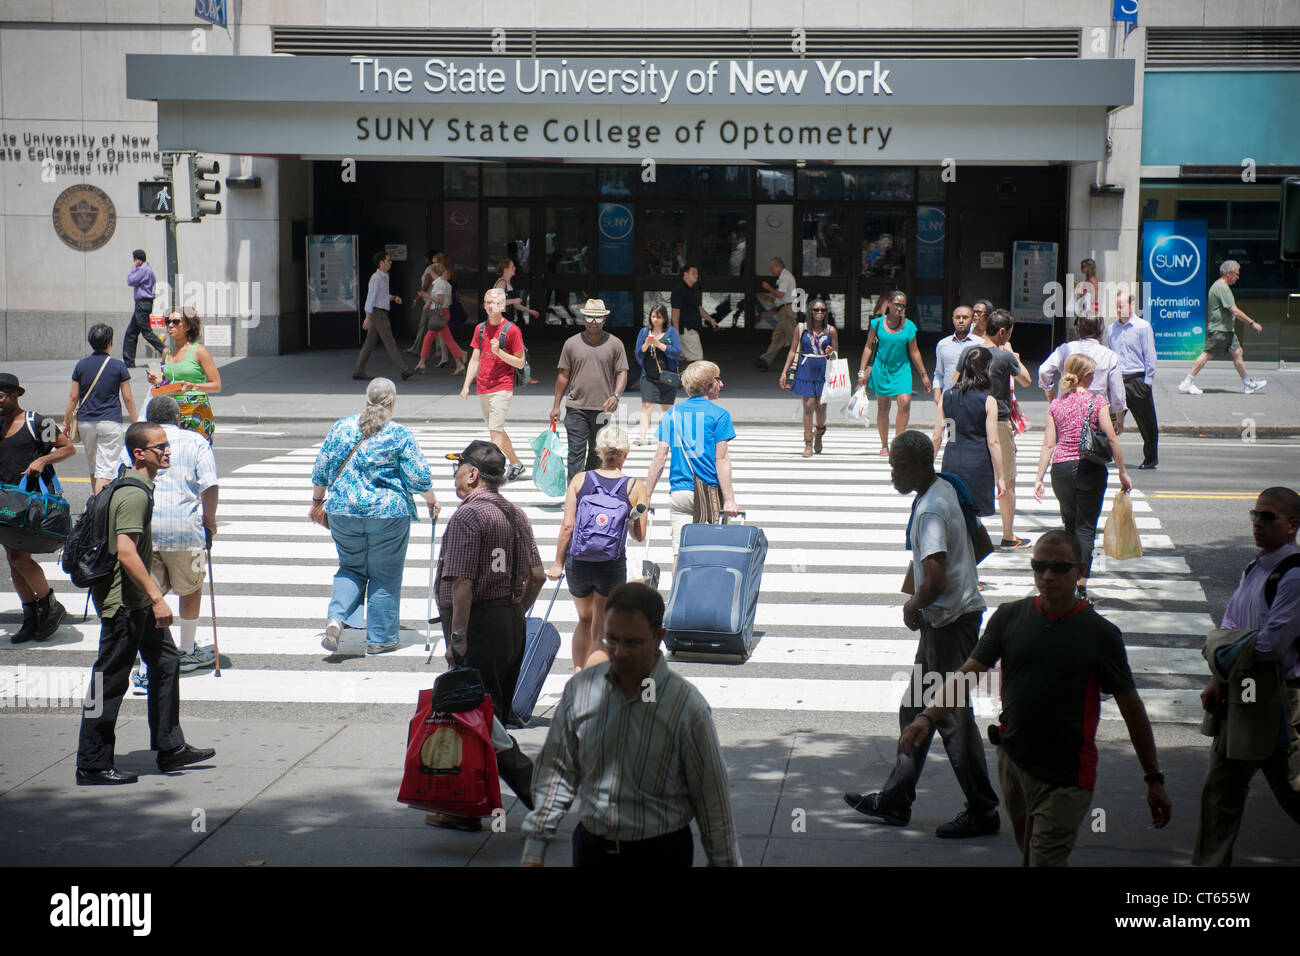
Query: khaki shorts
692,350
104,443
1007,444
180,572
494,406
1221,343
682,504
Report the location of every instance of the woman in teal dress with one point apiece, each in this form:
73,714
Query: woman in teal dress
891,342
189,374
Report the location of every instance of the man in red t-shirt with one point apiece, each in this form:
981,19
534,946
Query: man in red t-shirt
498,350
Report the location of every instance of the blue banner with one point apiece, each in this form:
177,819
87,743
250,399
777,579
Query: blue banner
1173,282
214,11
614,221
931,230
1125,11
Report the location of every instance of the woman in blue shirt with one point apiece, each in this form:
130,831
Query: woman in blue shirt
658,348
369,465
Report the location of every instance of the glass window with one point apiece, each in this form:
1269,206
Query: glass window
1213,211
664,235
873,304
930,186
568,239
538,180
563,305
698,182
776,184
460,234
1256,216
508,238
884,245
869,183
618,182
460,180
727,305
622,308
723,238
825,243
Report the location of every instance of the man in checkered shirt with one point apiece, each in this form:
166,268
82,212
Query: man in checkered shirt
184,521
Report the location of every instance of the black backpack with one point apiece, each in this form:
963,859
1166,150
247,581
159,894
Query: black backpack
522,375
1271,582
86,557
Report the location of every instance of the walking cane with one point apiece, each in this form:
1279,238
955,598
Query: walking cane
428,607
212,596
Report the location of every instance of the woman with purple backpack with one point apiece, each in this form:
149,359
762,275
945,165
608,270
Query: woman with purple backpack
600,508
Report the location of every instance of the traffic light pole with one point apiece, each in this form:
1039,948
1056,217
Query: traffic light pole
173,267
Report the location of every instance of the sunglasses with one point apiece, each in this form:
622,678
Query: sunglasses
158,448
1264,515
819,310
174,321
1056,567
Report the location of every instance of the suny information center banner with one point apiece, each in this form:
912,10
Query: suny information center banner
1173,279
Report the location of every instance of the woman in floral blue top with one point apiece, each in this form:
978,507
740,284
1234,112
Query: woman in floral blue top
369,465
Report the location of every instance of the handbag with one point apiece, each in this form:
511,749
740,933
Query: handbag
324,516
662,375
1093,443
438,318
34,521
707,508
74,431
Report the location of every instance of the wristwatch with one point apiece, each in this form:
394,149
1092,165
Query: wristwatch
457,637
1156,777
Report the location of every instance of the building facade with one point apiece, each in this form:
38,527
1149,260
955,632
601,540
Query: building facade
956,150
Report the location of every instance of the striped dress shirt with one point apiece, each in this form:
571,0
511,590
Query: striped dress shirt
639,768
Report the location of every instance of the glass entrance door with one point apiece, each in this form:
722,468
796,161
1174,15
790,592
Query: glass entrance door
553,252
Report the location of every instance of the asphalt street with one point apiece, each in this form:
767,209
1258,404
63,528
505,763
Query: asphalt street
784,730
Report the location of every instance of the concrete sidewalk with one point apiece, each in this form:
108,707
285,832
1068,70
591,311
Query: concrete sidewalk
312,389
299,794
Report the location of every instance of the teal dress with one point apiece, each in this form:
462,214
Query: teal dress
891,370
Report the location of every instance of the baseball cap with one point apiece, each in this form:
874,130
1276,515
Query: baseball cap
484,456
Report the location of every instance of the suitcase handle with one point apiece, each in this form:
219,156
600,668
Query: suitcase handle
649,523
554,595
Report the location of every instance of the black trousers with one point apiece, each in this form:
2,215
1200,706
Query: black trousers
581,426
1142,403
672,849
1079,487
138,326
942,650
121,637
495,641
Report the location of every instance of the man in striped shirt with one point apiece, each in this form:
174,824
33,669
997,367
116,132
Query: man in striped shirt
634,743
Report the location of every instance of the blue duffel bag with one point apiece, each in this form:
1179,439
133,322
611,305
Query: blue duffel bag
35,521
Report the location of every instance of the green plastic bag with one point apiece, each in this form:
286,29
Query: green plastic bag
548,465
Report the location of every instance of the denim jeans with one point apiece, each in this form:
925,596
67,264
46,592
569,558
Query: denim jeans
1080,487
372,553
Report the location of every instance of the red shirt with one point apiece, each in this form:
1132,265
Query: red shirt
495,375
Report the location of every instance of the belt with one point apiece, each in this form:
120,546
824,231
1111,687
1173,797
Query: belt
495,602
1129,375
615,846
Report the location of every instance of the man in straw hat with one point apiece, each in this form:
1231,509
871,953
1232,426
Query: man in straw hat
592,376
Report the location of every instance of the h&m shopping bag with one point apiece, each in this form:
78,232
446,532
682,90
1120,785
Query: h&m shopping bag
836,387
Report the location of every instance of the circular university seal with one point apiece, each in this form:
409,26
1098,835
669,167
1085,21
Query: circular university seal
84,217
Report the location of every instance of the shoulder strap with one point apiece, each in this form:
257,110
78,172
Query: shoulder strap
347,459
1275,578
30,419
677,434
93,383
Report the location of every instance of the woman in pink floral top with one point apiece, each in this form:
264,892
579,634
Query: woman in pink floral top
1079,484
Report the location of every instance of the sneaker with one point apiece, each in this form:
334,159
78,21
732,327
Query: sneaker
452,822
139,682
198,658
373,649
1251,385
1012,544
1186,387
868,804
968,825
515,472
333,628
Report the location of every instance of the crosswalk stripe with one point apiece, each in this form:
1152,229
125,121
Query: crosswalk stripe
274,570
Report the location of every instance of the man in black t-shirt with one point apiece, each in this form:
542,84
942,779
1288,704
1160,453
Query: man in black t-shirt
30,446
689,316
1003,369
1058,656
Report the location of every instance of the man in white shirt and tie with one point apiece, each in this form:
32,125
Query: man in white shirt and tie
1130,337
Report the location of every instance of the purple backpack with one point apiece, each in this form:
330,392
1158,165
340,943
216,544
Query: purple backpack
600,526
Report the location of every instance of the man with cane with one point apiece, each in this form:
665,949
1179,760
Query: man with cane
184,521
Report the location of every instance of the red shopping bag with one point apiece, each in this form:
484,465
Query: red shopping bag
450,764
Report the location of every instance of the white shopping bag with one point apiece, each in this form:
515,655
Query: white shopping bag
836,387
859,406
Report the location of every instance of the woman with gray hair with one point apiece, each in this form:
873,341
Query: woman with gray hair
361,490
601,507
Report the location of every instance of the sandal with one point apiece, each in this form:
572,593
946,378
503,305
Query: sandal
884,452
817,439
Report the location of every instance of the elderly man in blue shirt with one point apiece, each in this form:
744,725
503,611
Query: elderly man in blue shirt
1131,338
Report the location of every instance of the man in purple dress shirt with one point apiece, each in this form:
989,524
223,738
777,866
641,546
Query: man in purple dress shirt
1131,338
1274,521
141,280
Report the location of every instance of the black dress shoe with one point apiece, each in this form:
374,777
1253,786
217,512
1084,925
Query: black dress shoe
760,364
1148,466
360,378
110,777
967,825
868,804
407,373
183,756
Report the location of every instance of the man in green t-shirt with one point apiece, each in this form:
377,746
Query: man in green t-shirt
1221,313
133,620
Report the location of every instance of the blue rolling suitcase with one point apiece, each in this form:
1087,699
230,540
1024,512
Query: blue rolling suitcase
715,589
541,645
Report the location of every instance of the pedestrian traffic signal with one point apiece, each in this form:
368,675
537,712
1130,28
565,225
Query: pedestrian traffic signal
1291,219
203,183
156,198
